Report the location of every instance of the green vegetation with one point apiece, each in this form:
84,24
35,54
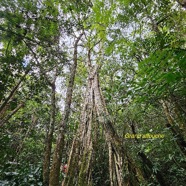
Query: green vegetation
98,85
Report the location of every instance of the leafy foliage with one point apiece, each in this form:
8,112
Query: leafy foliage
140,48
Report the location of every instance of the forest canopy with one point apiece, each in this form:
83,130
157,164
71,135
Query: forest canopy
92,93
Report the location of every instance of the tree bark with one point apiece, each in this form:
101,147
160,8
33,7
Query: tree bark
110,164
49,138
176,131
6,119
94,103
148,164
55,169
82,145
12,93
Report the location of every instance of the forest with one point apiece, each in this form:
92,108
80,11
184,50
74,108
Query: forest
92,93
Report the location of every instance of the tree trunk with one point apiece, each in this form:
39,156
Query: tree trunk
6,119
147,164
94,104
83,140
12,93
176,131
49,138
55,169
110,164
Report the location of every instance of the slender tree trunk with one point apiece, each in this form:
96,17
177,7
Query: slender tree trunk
110,164
12,93
135,176
6,119
148,165
179,114
49,138
73,165
55,169
176,131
